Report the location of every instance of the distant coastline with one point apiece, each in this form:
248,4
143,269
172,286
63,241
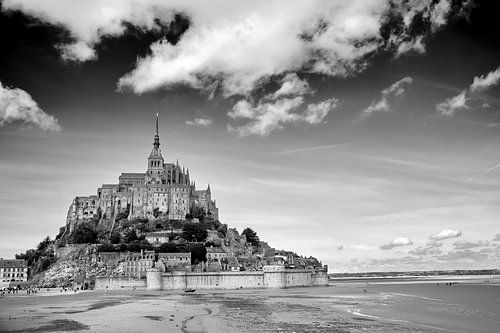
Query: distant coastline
414,274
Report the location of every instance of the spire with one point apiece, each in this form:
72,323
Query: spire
156,143
208,188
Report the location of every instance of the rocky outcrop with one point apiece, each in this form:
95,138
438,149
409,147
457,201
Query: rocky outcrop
77,265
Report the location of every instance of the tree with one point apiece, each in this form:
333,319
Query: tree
197,212
198,252
130,236
194,232
252,237
84,233
43,244
106,248
115,237
168,248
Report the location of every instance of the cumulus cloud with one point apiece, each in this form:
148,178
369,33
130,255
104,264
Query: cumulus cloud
445,234
291,85
265,117
434,243
242,44
464,245
497,238
400,241
484,82
394,92
200,121
452,104
17,106
449,106
78,51
426,250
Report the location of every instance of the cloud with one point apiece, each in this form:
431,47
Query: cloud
16,105
292,85
400,241
450,105
427,250
446,234
316,112
395,91
200,121
265,117
464,245
78,51
484,82
235,42
434,243
497,238
361,247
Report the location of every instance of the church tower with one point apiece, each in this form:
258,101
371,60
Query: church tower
155,173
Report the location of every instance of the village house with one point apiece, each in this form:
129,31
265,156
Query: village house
173,261
136,264
13,270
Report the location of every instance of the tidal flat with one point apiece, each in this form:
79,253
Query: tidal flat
345,306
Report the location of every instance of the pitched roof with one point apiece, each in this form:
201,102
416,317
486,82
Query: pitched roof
13,263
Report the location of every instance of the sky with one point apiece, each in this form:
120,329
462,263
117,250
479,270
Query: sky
365,133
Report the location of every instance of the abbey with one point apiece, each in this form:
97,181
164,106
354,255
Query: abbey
165,190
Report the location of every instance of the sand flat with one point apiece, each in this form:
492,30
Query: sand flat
338,308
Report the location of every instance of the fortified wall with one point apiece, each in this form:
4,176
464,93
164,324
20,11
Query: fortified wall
270,277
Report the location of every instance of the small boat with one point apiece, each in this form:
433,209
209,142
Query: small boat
190,290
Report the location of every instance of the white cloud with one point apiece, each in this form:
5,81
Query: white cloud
464,245
395,91
427,250
16,105
497,238
292,85
240,44
265,117
200,121
316,112
484,82
450,105
416,45
445,234
361,247
78,51
400,241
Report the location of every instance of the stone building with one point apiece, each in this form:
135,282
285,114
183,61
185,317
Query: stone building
165,190
13,270
173,261
136,264
156,238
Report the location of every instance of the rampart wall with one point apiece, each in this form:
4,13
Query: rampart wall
118,283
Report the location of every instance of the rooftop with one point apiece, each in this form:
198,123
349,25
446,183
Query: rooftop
13,263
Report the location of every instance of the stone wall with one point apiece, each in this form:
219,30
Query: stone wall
119,283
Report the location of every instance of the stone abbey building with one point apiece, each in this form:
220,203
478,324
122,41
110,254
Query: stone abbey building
165,190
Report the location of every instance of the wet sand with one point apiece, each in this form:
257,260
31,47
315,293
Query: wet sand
342,307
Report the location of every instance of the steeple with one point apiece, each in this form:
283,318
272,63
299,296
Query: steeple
156,143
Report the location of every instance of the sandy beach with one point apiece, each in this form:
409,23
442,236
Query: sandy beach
471,306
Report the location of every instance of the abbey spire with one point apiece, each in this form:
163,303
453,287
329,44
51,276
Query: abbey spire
156,152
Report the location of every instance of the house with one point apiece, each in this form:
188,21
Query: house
158,237
215,253
175,260
136,264
13,270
